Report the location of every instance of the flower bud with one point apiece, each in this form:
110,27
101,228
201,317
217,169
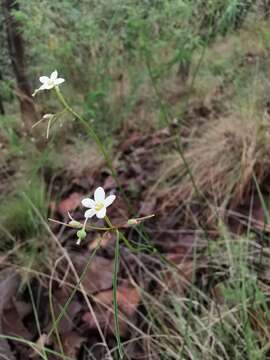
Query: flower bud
81,234
133,222
75,224
48,116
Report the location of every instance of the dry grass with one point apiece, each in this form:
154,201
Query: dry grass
221,315
82,159
223,158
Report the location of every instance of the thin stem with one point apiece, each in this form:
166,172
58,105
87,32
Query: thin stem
87,227
75,289
115,274
168,122
115,304
34,346
54,319
97,140
128,244
122,236
36,317
78,279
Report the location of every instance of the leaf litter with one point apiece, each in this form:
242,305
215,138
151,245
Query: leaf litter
137,162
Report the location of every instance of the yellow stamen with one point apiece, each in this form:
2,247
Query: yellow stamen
99,206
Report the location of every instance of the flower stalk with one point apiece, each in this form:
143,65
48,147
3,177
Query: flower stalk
96,139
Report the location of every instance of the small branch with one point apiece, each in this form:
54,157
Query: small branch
74,224
87,227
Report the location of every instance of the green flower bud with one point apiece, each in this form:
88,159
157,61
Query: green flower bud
81,234
75,224
132,222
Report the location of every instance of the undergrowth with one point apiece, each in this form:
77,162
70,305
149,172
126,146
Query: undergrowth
201,73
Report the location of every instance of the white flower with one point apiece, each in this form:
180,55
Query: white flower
49,82
48,116
99,205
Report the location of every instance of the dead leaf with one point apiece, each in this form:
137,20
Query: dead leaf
60,297
179,282
9,283
128,299
148,206
134,139
98,276
12,323
102,241
70,204
40,344
72,342
109,183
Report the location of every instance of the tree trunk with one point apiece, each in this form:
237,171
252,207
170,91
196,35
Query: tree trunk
266,9
2,109
17,55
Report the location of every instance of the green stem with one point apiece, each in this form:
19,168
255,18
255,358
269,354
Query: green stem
115,304
87,227
54,320
122,236
36,317
97,140
168,122
34,346
75,289
115,274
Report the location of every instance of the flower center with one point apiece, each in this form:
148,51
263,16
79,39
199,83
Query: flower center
99,206
50,82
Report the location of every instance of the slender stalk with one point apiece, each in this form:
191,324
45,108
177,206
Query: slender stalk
36,317
54,320
178,141
87,227
167,119
34,346
115,304
75,289
115,274
96,139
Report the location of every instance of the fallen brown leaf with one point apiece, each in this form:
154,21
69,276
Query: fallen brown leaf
98,276
9,283
60,297
72,342
102,241
128,299
12,323
70,204
179,281
40,344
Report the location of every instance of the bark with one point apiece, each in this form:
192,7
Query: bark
16,50
266,8
2,109
183,71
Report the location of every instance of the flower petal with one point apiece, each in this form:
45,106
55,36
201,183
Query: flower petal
101,213
48,86
43,87
59,81
44,79
88,203
99,195
54,75
89,213
109,200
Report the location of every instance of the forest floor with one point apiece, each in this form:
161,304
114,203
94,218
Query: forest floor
216,237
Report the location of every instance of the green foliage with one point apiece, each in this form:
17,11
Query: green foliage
10,130
103,46
122,58
22,210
